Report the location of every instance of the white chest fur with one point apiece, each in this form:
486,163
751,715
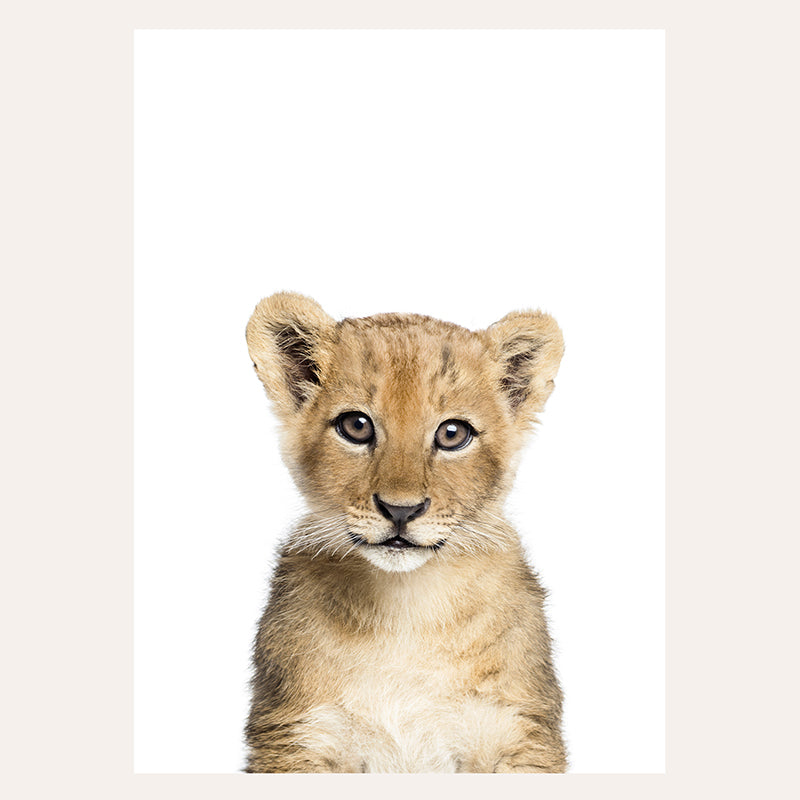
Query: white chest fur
409,713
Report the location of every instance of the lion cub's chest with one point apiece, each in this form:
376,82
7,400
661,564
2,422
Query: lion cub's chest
408,710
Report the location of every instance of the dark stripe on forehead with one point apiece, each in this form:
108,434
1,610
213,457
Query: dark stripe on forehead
368,359
445,360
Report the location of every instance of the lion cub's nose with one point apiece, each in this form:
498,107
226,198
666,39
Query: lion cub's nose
401,514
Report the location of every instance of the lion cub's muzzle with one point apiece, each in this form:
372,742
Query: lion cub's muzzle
400,517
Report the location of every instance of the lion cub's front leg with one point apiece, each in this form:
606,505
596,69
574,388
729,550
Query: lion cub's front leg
287,748
514,740
533,759
542,750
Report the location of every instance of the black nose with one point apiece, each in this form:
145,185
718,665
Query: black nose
401,514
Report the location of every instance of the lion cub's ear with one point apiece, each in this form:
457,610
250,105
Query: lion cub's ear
288,337
528,345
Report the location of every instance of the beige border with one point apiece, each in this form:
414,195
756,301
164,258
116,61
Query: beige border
67,313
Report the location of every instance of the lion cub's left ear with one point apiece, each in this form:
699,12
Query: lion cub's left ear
528,346
288,337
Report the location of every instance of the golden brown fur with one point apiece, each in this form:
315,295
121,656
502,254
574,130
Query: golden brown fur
432,655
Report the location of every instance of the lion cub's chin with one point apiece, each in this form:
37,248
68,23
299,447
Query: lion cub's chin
391,560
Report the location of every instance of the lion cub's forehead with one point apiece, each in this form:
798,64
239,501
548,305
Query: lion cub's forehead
409,355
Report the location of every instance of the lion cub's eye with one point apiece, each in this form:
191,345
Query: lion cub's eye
453,434
355,427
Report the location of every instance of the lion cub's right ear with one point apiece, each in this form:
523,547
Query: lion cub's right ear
288,337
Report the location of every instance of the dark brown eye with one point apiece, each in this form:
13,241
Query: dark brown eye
453,434
355,427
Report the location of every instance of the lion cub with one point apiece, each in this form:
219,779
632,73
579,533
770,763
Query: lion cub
404,631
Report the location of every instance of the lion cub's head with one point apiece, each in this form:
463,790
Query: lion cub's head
401,430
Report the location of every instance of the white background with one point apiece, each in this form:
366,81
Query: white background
460,174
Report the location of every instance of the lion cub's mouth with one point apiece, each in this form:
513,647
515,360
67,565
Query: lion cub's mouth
396,542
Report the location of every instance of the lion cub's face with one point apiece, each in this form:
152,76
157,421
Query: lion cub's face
401,430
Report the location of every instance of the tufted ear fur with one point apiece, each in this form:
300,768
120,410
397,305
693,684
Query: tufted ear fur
528,345
288,338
